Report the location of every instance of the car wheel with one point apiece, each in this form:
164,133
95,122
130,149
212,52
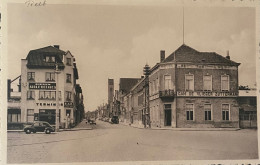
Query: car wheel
28,131
47,131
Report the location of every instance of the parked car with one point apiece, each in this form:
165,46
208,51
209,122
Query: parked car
115,120
39,126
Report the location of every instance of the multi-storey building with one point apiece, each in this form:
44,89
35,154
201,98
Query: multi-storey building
48,80
194,89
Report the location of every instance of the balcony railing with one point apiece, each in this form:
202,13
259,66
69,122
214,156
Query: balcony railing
166,93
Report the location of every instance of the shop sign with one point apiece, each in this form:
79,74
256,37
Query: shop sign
206,94
44,86
48,104
68,104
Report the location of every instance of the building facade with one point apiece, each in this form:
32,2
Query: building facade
194,89
48,86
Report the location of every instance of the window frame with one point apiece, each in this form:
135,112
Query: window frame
225,113
51,93
187,110
169,84
50,73
228,82
185,83
206,110
68,61
32,75
211,84
68,80
32,95
27,115
68,98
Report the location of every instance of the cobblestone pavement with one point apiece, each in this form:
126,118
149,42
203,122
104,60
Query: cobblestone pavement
113,142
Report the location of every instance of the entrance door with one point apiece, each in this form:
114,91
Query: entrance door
168,115
47,115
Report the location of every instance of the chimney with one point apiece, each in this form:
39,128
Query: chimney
162,55
228,57
56,46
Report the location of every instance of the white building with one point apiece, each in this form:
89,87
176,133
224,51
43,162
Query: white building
39,82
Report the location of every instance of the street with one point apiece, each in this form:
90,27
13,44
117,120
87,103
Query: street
116,142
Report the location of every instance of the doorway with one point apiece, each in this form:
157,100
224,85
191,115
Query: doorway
168,115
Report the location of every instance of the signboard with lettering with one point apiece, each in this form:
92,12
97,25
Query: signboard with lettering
49,104
68,104
44,86
207,94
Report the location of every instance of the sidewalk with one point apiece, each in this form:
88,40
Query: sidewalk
81,126
181,129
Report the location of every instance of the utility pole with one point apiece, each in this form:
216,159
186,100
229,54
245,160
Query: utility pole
57,99
146,102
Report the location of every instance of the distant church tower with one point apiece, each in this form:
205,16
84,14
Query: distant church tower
110,90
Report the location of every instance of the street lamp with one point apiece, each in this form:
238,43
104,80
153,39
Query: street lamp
146,88
57,99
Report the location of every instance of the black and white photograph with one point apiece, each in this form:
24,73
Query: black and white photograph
130,82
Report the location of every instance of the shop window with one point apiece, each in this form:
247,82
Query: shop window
225,112
207,82
189,82
30,95
207,110
30,115
167,82
50,76
68,78
68,61
31,76
68,96
47,95
189,112
225,83
14,117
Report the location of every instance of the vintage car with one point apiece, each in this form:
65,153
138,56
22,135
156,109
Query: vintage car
39,126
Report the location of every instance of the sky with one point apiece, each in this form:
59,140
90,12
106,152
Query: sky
112,41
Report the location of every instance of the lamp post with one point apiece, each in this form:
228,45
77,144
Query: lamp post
57,99
146,102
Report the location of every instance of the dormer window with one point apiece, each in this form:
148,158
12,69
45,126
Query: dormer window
50,59
68,61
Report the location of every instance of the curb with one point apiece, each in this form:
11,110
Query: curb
186,129
76,129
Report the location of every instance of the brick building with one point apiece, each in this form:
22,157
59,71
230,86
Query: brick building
194,89
39,82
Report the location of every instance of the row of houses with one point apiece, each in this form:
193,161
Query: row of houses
187,89
47,85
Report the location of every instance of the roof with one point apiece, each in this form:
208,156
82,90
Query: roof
36,57
125,84
187,54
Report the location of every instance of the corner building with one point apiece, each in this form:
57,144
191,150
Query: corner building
39,81
194,89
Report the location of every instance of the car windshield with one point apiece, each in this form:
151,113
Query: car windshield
46,124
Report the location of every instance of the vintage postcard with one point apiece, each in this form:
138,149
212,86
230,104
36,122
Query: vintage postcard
130,82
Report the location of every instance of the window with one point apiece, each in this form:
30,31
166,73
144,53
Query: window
60,95
68,96
68,78
50,59
207,110
140,99
225,83
207,82
30,95
225,111
189,111
68,61
189,82
30,115
31,76
47,95
14,117
167,82
50,76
